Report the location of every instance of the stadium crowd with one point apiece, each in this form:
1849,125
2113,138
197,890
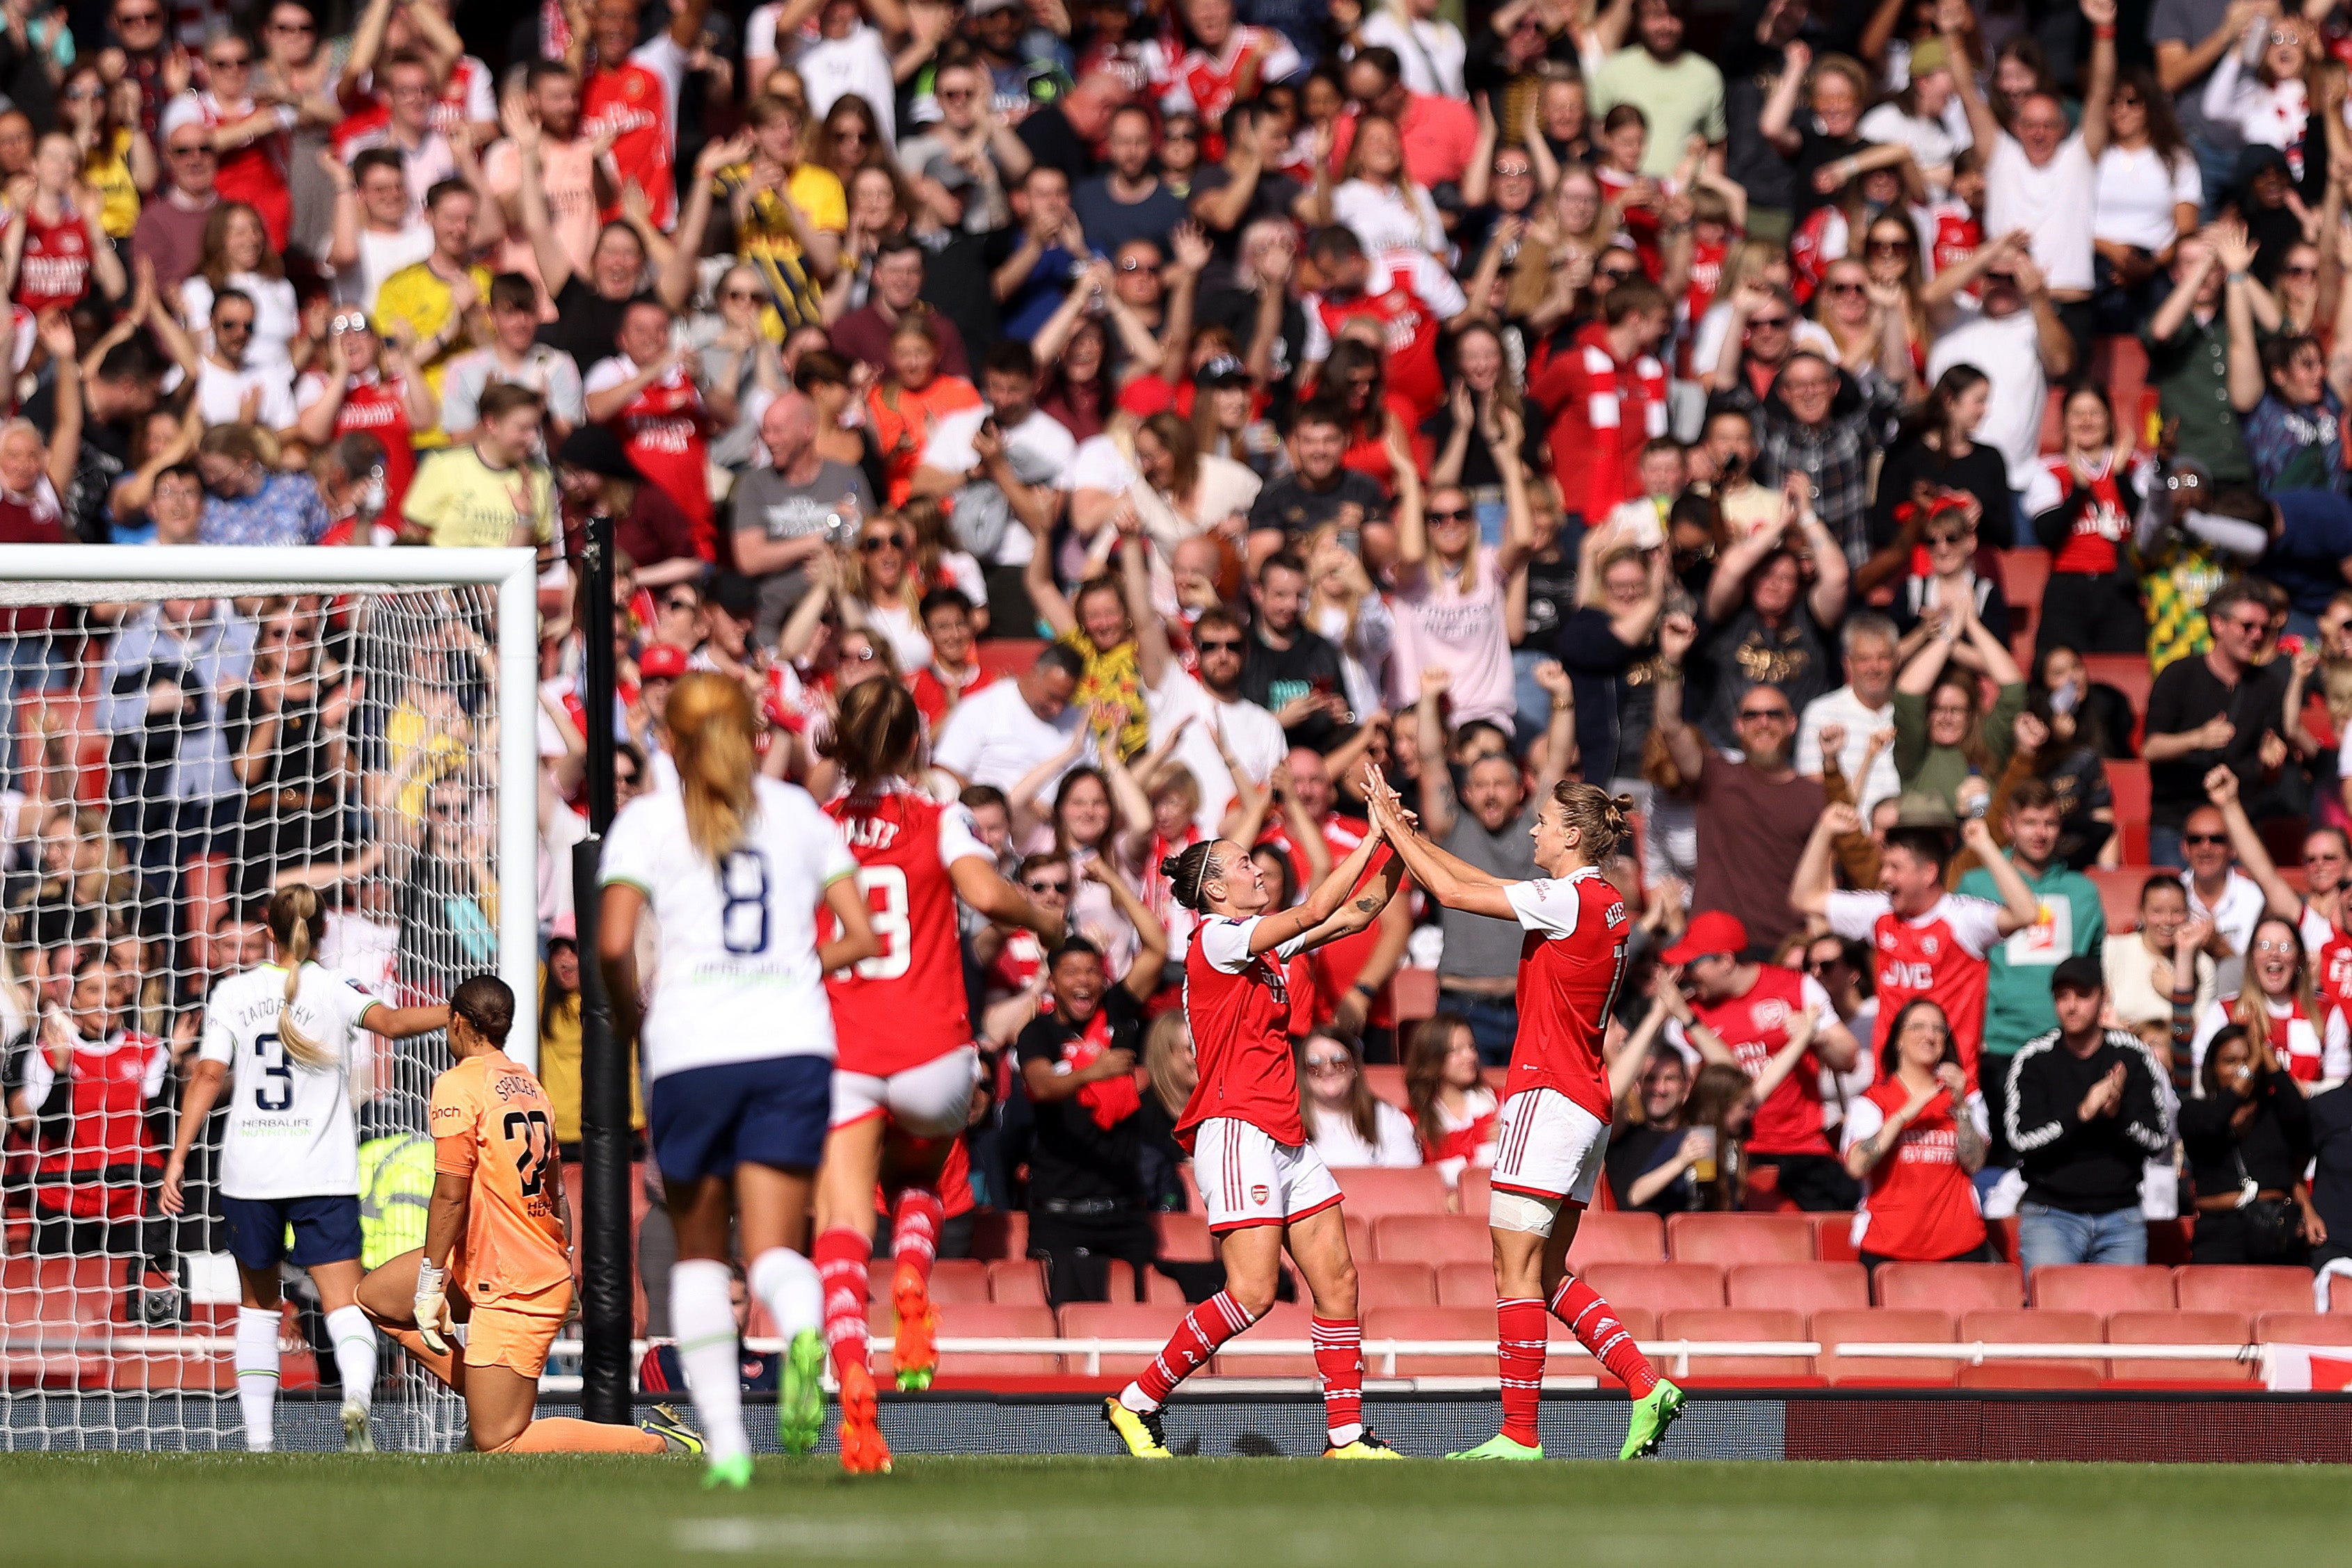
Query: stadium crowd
1192,402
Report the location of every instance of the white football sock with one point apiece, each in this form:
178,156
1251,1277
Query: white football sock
702,1316
257,1376
787,1284
354,1339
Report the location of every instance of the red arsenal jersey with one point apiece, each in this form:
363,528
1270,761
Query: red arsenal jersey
2091,546
1602,414
1756,1027
255,173
53,273
1939,955
1337,962
1922,1206
1570,964
1415,298
380,407
906,1006
632,106
661,430
1238,1004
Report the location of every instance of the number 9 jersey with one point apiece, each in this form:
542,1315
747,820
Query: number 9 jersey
737,979
907,1005
289,1126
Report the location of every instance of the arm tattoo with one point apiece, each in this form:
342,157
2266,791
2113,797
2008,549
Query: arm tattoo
1369,904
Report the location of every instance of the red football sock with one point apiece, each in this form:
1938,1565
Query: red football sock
1204,1328
1519,1329
1579,1306
915,1229
1340,1367
841,1258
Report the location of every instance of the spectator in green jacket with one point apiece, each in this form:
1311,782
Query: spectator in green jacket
1941,736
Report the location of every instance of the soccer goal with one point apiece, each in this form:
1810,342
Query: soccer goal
186,731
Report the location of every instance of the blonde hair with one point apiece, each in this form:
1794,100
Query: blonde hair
1168,1034
297,920
711,729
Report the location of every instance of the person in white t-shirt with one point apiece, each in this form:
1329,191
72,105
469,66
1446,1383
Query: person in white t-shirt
2041,179
1001,733
2014,336
1347,1125
2149,196
1925,117
737,1043
1429,50
278,1039
849,57
1007,449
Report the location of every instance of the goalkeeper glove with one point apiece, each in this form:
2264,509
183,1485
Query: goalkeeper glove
432,1307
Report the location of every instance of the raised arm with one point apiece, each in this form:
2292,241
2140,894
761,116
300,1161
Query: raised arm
2101,15
1814,880
1437,806
1952,19
2020,908
1675,636
1310,914
2222,790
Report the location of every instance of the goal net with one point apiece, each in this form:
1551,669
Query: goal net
186,731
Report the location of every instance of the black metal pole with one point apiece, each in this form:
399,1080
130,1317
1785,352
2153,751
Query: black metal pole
604,1240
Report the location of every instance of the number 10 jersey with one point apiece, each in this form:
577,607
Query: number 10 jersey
289,1126
736,979
907,1005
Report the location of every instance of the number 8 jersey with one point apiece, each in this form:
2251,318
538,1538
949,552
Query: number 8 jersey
736,979
289,1126
907,1005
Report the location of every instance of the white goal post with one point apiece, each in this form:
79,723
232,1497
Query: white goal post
181,731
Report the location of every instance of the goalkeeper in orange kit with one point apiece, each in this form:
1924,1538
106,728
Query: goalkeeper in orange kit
497,1252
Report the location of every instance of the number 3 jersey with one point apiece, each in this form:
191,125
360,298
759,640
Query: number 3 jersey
737,978
908,1005
289,1126
492,1124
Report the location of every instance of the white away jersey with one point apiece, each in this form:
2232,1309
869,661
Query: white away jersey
289,1126
738,979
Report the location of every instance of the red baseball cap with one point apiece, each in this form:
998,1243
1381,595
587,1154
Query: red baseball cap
1713,931
661,661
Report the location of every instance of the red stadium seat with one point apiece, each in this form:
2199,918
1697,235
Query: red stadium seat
1478,1187
1119,1321
1372,1191
1881,1326
2029,1375
1729,1239
1184,1237
1737,1323
1433,1323
2023,1328
1660,1287
1414,993
1386,1080
1285,1320
1397,1284
1833,1237
2251,1289
1359,1238
1621,1236
1473,1285
2303,1328
953,1279
2119,892
2129,781
2179,1328
2102,1287
2025,573
994,1321
1192,1203
1017,1282
1796,1287
2127,673
1431,1239
1951,1286
54,1298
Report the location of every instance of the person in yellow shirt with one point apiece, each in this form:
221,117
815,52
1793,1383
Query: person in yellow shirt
789,215
498,1250
491,493
428,305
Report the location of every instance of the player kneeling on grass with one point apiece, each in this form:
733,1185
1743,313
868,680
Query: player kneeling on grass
278,1039
1262,1182
1554,1132
497,1249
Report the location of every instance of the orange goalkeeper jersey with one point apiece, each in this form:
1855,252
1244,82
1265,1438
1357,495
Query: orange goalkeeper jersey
493,1123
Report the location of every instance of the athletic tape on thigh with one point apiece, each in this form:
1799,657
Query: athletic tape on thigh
1517,1211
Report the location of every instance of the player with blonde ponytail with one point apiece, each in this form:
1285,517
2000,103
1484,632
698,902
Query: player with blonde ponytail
737,1041
1554,1129
279,1038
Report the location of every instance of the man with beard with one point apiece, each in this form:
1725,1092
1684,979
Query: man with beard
569,176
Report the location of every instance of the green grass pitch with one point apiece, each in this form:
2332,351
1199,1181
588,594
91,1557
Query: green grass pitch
62,1511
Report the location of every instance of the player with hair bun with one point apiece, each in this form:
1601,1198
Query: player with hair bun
903,1082
279,1036
1265,1186
498,1250
737,1041
1555,1124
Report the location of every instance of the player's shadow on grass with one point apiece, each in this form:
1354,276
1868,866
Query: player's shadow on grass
1256,1446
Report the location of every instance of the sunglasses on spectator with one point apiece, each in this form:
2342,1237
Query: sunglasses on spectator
2277,949
2205,839
1848,287
1815,965
875,543
1891,246
1620,274
192,150
1219,645
1451,514
1766,323
1047,885
952,94
1513,171
1763,715
138,18
234,324
739,293
82,94
228,62
2129,101
2251,629
1132,265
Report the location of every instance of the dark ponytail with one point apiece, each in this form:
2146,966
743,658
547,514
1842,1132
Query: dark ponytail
1189,871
